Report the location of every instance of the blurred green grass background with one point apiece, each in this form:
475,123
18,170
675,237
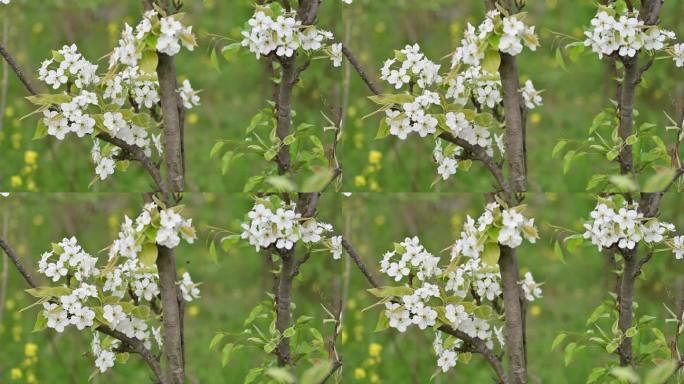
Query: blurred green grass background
238,280
234,94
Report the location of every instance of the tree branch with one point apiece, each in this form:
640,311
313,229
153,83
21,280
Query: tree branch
17,70
136,347
359,263
480,347
362,73
18,263
137,154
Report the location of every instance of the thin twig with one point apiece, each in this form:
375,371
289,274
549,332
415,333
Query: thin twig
17,69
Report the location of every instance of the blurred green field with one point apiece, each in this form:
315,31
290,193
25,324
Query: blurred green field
232,96
239,279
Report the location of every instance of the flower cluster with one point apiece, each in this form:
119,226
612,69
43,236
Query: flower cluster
88,105
447,165
511,227
513,35
121,293
623,32
168,32
275,223
436,295
410,65
622,224
531,289
428,109
273,30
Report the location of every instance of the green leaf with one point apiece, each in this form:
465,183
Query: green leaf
557,340
252,182
230,51
390,99
316,374
227,351
48,99
567,161
289,332
573,242
661,373
42,292
383,322
625,373
253,374
213,59
659,181
491,254
631,139
141,312
558,251
389,291
612,154
215,340
212,252
317,181
623,182
149,61
492,61
560,60
41,130
596,374
281,183
558,147
148,255
383,130
41,322
569,351
281,375
229,241
215,149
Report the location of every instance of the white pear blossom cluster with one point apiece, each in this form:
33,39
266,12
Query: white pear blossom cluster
86,104
622,224
104,357
447,165
410,65
280,225
512,228
515,34
68,66
624,33
467,274
170,34
422,109
531,96
90,296
8,1
531,289
273,31
189,96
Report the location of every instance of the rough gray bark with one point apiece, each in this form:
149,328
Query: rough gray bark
283,305
626,128
515,134
626,298
515,339
171,318
284,103
173,138
172,309
508,263
650,202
